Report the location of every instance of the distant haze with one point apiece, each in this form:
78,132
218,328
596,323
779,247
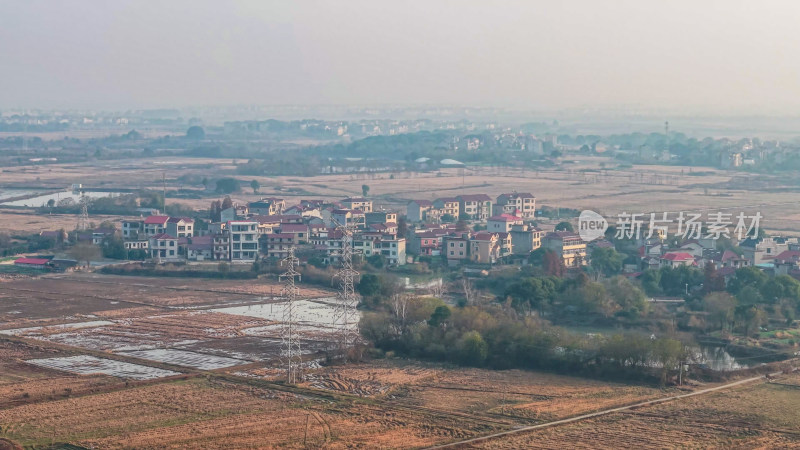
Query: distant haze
701,55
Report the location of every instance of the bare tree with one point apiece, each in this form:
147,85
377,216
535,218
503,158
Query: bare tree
469,292
85,251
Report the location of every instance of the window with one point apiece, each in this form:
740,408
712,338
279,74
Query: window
452,253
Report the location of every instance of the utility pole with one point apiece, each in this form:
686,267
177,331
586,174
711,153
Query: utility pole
305,432
164,192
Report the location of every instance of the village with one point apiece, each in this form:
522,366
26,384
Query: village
470,230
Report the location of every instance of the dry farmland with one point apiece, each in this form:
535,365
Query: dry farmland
109,361
762,415
590,182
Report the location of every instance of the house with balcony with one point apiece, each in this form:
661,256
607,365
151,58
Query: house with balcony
348,217
221,246
516,204
525,238
502,223
568,245
488,248
278,244
421,211
426,243
154,225
380,217
180,227
267,206
359,203
298,230
131,228
475,206
457,248
392,248
447,206
243,241
164,248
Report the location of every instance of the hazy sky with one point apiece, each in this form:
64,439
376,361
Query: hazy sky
722,55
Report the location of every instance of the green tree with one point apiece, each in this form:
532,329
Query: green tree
607,261
472,349
749,295
751,318
226,203
439,316
365,190
651,281
228,185
720,307
196,133
564,226
255,185
377,260
369,285
746,276
114,247
629,297
668,353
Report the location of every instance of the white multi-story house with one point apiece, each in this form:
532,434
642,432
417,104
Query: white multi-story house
154,225
243,241
517,204
475,206
164,247
180,227
132,228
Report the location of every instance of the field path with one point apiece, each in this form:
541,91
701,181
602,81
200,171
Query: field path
467,442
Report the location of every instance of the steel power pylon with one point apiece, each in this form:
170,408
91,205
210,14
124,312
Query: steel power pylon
83,219
290,348
346,312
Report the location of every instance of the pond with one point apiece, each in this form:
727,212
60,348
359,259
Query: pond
718,359
41,200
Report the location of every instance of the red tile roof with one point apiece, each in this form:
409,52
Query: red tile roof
32,261
678,256
505,218
178,219
161,236
788,255
156,220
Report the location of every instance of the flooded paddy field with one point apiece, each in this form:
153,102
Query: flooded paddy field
186,358
88,365
200,324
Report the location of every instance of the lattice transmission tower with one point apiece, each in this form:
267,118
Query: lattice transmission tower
83,218
346,312
290,345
